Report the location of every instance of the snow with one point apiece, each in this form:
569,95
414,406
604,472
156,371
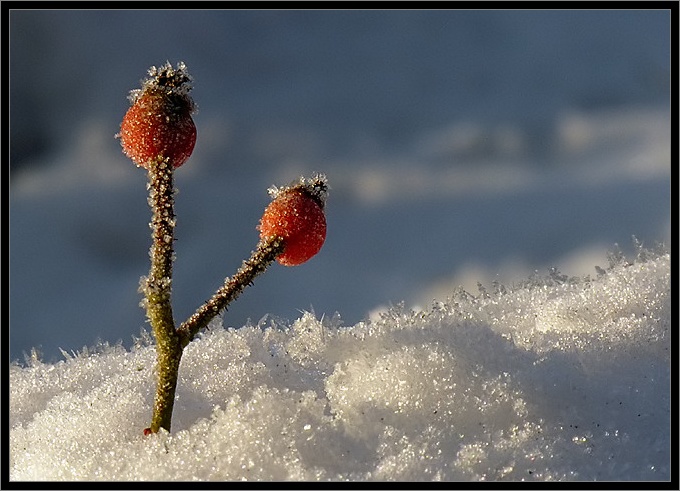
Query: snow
461,147
558,378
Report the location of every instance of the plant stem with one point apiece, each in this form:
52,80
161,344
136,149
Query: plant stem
170,342
157,290
260,259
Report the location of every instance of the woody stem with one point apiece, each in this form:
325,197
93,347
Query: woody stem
157,290
259,261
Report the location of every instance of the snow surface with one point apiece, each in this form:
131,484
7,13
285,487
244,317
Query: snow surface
557,378
460,147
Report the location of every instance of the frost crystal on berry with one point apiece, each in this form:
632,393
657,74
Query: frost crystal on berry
296,215
316,186
173,81
158,126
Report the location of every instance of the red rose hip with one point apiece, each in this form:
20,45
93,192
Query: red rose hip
296,215
158,124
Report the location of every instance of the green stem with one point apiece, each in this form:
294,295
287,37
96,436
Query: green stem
157,290
259,261
170,342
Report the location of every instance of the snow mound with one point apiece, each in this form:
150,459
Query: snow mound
556,378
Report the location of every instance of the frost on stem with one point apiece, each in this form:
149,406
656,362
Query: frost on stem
259,261
157,288
161,201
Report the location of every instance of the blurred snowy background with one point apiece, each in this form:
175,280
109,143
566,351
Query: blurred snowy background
461,146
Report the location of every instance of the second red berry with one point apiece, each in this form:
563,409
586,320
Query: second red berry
296,215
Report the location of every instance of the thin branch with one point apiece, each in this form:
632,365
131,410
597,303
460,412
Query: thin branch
260,259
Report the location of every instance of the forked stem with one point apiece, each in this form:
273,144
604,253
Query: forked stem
157,289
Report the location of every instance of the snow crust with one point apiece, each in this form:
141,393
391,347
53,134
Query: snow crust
554,378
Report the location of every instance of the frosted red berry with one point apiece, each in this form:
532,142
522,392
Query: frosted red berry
296,215
158,124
